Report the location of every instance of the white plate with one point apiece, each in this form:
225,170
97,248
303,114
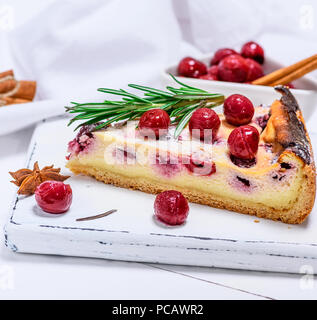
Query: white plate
211,237
306,93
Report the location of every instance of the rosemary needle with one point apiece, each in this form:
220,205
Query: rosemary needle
98,216
179,103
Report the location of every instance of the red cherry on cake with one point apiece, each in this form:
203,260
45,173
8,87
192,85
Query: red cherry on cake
253,51
238,110
204,124
171,207
54,196
192,68
221,54
255,70
243,142
233,68
154,123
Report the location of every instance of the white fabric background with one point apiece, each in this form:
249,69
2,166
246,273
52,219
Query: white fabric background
228,22
72,47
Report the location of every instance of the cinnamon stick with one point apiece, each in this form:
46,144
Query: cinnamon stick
7,85
25,90
13,91
296,74
6,73
282,73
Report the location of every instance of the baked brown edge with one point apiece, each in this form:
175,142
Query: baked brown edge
291,131
297,142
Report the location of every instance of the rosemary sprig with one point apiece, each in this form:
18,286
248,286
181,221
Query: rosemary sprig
179,103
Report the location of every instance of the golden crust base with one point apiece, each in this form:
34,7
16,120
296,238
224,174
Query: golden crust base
294,215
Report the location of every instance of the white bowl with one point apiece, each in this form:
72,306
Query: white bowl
306,94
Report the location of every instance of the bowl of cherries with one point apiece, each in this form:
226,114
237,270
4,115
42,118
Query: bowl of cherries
230,68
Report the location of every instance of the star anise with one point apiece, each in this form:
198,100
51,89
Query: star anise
28,180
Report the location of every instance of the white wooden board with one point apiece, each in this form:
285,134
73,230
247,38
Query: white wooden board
211,237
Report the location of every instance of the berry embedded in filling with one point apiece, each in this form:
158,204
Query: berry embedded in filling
243,163
124,156
262,121
167,165
201,168
281,177
246,182
284,172
83,141
286,165
242,184
80,144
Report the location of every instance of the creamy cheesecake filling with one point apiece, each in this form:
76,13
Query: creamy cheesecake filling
225,182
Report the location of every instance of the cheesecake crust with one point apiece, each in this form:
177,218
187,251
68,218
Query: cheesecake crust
294,215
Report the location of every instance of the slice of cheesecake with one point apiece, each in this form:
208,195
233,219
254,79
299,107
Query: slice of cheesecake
279,184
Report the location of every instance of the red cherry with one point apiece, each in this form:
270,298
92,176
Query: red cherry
209,77
213,70
233,68
171,207
255,70
192,68
54,196
253,51
154,123
238,110
243,142
291,85
204,124
220,54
